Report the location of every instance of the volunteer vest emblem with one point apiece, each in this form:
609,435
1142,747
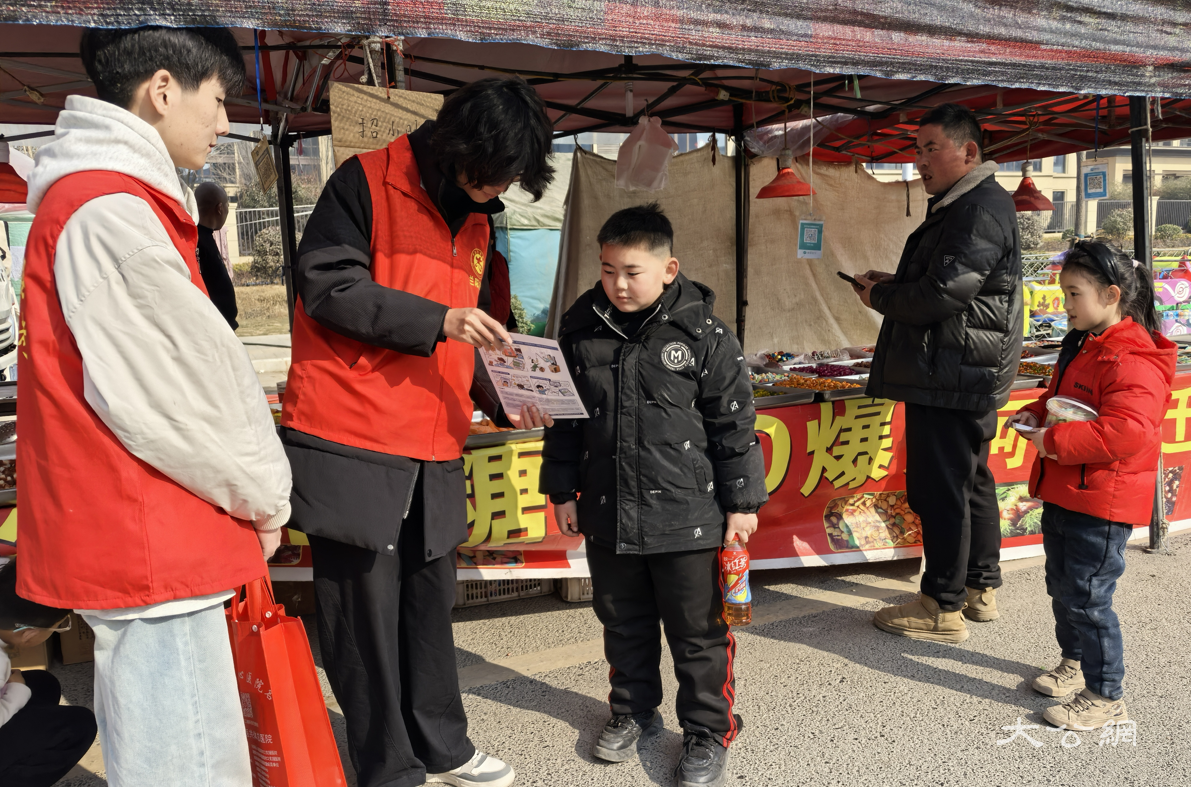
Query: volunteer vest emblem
477,261
676,356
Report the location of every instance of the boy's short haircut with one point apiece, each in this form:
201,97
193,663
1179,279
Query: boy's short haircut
120,61
644,226
494,131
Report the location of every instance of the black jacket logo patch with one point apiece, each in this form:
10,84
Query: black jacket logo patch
676,356
947,260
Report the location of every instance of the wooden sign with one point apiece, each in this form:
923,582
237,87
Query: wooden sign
262,161
367,118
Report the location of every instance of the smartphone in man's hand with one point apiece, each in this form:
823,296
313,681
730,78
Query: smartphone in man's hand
848,279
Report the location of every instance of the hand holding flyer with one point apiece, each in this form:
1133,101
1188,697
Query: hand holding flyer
531,371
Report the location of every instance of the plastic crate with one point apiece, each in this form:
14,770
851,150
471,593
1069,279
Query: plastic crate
575,589
473,593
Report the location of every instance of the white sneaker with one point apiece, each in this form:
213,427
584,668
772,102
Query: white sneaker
481,770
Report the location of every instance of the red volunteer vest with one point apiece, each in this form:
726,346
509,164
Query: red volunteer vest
99,528
360,395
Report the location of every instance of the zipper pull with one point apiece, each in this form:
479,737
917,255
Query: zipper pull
454,253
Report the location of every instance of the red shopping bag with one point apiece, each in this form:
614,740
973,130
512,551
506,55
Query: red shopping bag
289,733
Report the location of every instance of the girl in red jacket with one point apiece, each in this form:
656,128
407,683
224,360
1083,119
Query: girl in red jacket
1097,478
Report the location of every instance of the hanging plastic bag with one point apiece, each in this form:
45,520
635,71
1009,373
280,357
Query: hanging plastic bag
289,732
644,157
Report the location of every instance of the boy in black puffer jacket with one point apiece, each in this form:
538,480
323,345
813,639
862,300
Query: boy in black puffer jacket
668,455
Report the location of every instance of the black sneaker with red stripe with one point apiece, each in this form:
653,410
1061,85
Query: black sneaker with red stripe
704,761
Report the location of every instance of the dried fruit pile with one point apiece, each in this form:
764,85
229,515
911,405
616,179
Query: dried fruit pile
766,378
862,365
1029,367
826,370
8,474
759,392
780,357
873,520
815,383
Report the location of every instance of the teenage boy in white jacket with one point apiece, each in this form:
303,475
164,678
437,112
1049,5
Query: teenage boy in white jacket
152,477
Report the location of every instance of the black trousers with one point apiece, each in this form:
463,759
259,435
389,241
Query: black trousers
384,626
950,487
43,740
633,596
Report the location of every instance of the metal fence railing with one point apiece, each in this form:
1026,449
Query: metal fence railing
250,221
1169,211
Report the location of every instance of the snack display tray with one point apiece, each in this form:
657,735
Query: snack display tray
842,393
8,496
799,396
8,397
499,438
1026,381
1047,357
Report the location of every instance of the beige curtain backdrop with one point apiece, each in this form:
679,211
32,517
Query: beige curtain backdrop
697,199
795,305
802,305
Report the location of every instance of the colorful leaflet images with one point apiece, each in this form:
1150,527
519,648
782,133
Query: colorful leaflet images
530,372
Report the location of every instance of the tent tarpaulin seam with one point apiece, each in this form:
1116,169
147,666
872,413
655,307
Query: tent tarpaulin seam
1105,46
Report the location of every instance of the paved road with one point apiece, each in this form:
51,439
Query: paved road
826,698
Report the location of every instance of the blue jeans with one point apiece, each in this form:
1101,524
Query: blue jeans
167,703
1085,556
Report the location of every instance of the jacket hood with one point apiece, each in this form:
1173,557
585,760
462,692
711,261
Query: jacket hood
1129,338
968,182
94,135
691,311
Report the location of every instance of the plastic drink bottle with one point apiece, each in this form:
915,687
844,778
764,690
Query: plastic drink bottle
738,599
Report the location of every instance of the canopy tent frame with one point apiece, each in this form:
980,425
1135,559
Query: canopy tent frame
887,120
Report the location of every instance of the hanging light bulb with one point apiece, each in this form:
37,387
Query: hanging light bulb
786,183
1028,198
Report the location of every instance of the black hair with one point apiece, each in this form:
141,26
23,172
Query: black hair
16,611
959,124
493,132
1106,265
644,226
120,61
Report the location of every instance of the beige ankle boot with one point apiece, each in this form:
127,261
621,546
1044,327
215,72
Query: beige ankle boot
981,605
922,619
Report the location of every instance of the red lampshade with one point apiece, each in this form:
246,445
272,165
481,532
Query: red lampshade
1028,198
12,186
786,184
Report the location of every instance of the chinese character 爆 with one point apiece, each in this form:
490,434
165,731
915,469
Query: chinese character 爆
852,448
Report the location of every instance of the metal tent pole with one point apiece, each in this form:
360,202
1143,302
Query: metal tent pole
742,222
1139,112
285,203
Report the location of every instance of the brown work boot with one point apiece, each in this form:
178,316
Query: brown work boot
1060,681
981,605
1088,711
922,619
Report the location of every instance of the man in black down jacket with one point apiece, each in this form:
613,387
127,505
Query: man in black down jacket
668,451
949,348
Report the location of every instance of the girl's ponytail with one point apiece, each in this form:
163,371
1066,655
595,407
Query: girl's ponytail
1141,303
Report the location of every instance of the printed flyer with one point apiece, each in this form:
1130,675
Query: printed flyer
532,371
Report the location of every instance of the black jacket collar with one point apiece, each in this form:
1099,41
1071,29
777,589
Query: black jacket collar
452,202
690,309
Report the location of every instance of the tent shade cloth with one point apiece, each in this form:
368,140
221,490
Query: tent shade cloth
861,112
1105,46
